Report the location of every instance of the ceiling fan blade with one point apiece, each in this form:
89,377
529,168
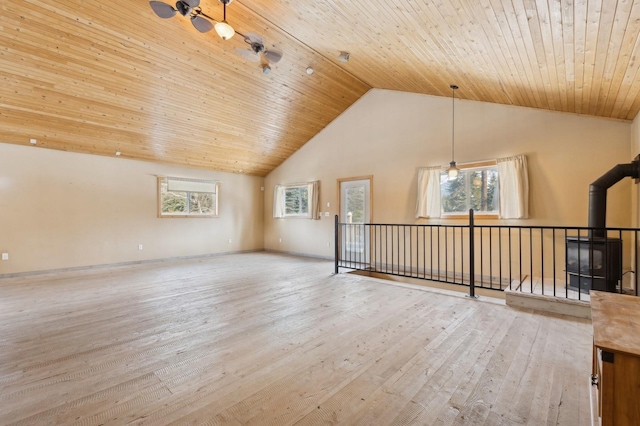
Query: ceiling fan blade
192,3
203,25
249,55
273,56
253,38
163,10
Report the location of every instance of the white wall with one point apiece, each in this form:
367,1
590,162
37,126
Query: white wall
61,210
391,134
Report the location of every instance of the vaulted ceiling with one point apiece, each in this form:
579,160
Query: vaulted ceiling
104,76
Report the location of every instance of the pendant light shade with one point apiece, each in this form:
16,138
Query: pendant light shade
453,169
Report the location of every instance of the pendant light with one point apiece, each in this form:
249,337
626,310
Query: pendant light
453,170
224,30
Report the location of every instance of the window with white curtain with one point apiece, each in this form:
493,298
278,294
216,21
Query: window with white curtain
497,188
181,197
296,200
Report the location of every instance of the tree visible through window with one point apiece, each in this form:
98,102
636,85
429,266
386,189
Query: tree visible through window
474,188
355,204
296,200
187,198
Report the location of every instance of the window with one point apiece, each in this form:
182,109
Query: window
299,200
475,187
179,197
296,201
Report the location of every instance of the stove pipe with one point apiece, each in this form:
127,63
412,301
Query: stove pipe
598,195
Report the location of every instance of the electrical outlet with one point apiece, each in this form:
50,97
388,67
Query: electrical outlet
279,240
139,246
328,244
229,240
327,214
5,256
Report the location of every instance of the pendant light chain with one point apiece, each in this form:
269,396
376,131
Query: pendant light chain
453,120
453,169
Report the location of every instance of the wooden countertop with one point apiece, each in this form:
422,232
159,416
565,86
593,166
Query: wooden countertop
616,322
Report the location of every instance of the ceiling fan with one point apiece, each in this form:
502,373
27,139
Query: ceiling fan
204,23
185,8
258,53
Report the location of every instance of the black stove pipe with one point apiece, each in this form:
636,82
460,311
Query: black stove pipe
598,195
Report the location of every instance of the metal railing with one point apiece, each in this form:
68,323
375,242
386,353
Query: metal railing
529,259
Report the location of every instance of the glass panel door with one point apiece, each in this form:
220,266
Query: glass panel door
355,202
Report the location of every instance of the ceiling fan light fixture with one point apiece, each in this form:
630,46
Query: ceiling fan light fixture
344,57
224,30
183,8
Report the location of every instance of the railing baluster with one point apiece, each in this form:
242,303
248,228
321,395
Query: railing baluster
438,251
462,256
635,266
481,256
424,253
472,278
566,270
542,259
531,257
500,257
553,249
335,243
453,244
490,259
446,253
510,262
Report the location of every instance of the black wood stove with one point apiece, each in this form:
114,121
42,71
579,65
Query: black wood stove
594,263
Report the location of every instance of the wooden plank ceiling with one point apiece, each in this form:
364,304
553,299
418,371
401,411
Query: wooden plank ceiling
104,76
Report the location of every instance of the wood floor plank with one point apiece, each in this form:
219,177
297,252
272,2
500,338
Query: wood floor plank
262,338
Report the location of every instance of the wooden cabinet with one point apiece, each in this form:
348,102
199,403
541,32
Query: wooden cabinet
616,358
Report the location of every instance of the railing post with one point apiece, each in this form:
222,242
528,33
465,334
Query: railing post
335,244
472,278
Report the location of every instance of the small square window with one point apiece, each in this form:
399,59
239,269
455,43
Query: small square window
296,201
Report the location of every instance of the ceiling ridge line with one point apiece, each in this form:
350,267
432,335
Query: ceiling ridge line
304,44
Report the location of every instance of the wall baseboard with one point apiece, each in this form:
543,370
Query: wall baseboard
115,265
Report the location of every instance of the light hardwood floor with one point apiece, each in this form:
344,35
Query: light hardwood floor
268,339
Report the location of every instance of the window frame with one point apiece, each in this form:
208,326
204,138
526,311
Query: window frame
472,166
161,215
303,215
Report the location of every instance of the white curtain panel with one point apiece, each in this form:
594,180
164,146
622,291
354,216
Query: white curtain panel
278,201
428,202
313,189
513,184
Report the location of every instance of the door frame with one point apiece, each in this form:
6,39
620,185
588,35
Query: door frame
370,179
340,219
